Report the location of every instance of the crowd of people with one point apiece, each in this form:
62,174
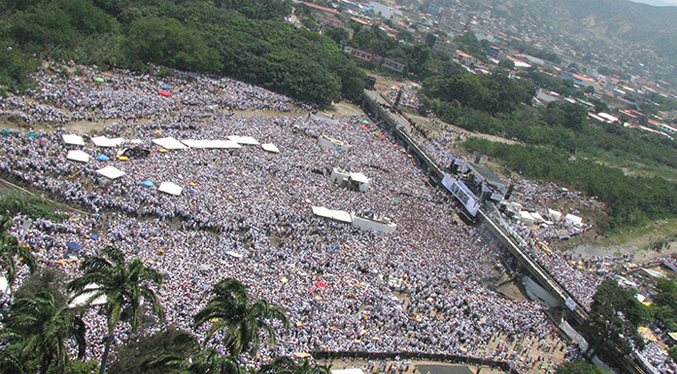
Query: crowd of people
258,204
247,214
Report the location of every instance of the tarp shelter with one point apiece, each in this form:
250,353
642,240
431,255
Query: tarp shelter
165,93
269,147
78,156
74,246
111,172
573,220
211,144
244,140
105,142
337,215
169,143
170,188
73,139
4,286
234,254
98,79
148,184
102,158
82,299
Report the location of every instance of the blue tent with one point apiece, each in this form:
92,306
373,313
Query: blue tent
74,246
166,87
102,158
148,184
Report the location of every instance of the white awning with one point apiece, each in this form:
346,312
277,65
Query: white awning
82,299
105,142
73,139
78,156
169,143
170,188
359,177
269,147
211,144
111,172
341,215
246,140
322,212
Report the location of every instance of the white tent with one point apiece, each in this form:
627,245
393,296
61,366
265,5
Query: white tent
4,286
234,254
359,178
526,218
211,144
341,215
573,220
104,142
169,143
555,215
111,172
73,139
78,156
322,212
82,299
269,147
245,140
170,188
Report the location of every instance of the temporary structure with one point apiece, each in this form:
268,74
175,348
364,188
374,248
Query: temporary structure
73,139
269,147
78,156
170,188
111,172
169,143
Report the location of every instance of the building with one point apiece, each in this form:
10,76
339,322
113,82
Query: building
445,47
325,16
498,53
354,181
466,59
373,221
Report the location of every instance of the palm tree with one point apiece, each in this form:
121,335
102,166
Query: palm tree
211,362
126,287
286,365
10,250
43,328
239,318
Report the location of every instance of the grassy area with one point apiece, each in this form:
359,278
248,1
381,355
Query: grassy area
19,203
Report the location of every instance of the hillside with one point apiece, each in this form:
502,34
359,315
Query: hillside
617,32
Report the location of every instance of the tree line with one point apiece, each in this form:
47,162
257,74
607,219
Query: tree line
40,324
244,39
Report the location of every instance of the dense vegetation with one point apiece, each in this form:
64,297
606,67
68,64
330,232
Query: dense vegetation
34,207
242,39
630,200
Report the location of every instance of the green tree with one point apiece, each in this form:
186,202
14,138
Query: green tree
127,287
286,365
43,329
167,42
507,64
578,367
11,252
167,351
337,34
240,319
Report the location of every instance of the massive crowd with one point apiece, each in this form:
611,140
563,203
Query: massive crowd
258,205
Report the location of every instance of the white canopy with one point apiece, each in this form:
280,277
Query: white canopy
359,177
82,299
341,215
348,371
105,142
169,143
246,140
73,139
211,144
234,254
111,172
78,156
574,220
270,147
338,215
170,188
322,212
